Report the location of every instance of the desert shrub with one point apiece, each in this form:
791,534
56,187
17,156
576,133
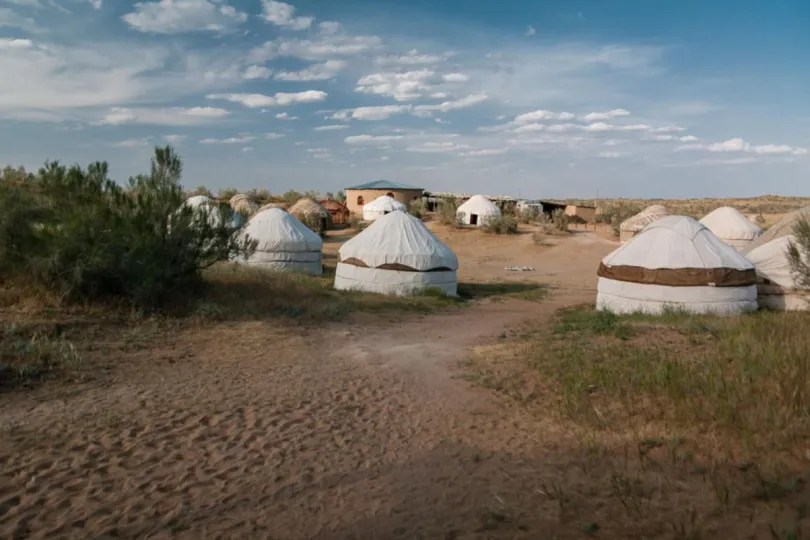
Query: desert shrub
259,196
80,234
611,212
503,224
448,213
560,220
417,208
225,194
528,215
316,224
799,254
201,190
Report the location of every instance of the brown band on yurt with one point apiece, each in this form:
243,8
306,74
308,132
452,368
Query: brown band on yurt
393,266
680,277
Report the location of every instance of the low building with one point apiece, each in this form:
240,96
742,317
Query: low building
585,213
338,211
357,196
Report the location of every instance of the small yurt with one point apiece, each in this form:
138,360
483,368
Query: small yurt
381,206
676,262
283,243
268,206
307,209
634,225
241,203
477,211
769,254
397,255
204,208
730,226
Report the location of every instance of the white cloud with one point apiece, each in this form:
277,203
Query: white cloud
667,129
529,128
455,77
411,58
8,44
486,152
534,116
598,126
273,136
95,3
133,143
315,72
175,139
800,152
731,145
331,127
772,149
11,19
662,138
285,116
401,86
611,155
323,47
445,106
381,112
605,115
230,140
177,16
437,147
255,101
688,138
283,14
566,116
171,116
530,31
633,127
372,139
562,128
256,71
247,149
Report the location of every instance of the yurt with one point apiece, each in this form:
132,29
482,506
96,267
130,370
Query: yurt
477,211
776,287
307,210
268,206
397,255
241,203
204,208
381,206
634,225
731,227
283,243
676,262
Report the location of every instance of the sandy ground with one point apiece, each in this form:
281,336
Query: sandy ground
360,429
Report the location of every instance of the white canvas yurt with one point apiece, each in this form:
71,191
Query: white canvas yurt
776,287
634,225
477,211
204,208
676,262
731,227
381,206
283,243
397,255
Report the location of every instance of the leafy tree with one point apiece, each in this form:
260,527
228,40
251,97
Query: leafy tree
340,196
291,196
202,190
225,194
77,232
799,254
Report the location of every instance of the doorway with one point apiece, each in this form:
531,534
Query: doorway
473,219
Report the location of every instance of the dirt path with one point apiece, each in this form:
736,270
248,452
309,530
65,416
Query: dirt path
358,430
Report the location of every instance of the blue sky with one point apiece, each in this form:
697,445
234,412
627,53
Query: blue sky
551,98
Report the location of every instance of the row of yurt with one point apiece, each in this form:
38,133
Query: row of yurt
677,261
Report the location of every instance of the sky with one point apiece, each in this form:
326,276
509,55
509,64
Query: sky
530,98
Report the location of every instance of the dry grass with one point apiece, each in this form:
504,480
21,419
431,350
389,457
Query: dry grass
28,355
687,426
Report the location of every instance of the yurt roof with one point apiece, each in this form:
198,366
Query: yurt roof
384,184
277,230
644,218
242,203
677,242
771,261
398,239
781,228
728,223
307,206
478,204
384,204
198,200
273,205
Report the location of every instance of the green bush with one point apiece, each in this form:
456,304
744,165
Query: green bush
503,224
529,214
417,208
448,213
80,234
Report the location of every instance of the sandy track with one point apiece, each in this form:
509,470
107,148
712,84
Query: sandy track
357,430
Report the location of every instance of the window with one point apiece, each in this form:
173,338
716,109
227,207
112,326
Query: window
360,200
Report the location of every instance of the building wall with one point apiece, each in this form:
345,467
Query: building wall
585,212
404,196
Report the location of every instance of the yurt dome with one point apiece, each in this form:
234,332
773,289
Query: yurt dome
477,211
268,206
307,209
731,227
634,225
283,243
769,254
676,262
397,255
204,208
381,206
241,203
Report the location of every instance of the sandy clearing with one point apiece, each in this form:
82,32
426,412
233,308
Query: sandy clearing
359,429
